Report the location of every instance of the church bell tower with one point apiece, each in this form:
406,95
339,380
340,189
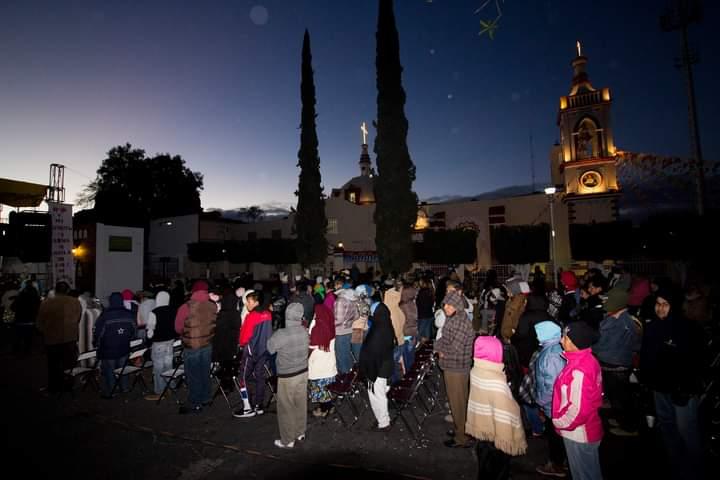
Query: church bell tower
585,160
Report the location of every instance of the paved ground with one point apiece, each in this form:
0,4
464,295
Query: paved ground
128,437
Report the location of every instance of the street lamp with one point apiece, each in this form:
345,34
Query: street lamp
550,192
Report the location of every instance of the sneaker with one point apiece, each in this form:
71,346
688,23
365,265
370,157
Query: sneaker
279,444
613,422
259,410
301,438
449,418
620,432
376,428
318,412
240,413
550,470
154,397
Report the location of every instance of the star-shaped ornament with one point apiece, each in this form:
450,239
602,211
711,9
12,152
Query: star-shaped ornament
489,27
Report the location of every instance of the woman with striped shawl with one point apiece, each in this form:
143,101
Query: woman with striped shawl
493,415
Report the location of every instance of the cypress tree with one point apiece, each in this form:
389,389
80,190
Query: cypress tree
396,203
310,220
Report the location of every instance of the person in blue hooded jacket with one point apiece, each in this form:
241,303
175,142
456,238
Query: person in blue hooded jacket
113,331
548,365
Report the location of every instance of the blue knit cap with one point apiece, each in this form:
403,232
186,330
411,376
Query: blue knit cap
547,330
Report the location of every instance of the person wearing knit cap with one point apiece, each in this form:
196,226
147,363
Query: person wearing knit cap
620,338
455,349
493,415
673,352
577,397
570,298
545,366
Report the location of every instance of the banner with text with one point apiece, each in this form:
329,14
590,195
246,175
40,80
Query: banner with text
63,265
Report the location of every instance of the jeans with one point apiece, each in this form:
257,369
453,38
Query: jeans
162,358
60,357
619,390
408,353
397,370
425,327
355,348
679,428
343,357
197,374
556,447
584,460
532,413
107,369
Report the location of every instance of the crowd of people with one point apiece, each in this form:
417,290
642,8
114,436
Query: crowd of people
518,358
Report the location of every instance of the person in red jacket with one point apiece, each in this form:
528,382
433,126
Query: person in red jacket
254,334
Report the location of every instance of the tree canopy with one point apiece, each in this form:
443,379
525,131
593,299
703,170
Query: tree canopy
132,188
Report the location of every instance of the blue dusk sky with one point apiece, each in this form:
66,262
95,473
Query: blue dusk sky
218,82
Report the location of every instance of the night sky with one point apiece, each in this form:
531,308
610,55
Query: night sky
218,82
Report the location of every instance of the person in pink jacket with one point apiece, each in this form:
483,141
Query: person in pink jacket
577,396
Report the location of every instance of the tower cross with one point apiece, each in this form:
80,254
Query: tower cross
364,130
579,48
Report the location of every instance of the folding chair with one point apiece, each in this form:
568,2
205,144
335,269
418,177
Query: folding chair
345,389
85,374
174,377
129,369
404,396
272,383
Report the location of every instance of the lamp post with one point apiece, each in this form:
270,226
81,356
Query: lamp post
550,192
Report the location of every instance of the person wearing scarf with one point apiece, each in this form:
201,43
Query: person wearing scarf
376,361
321,364
493,415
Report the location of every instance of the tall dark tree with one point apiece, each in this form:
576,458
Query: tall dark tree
131,188
396,203
310,220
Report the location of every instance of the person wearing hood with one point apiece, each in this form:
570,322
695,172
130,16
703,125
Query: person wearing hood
620,338
376,361
129,302
254,335
569,305
346,313
493,415
58,319
545,366
147,305
225,341
195,322
577,397
671,358
160,330
290,345
322,366
360,325
523,337
455,349
303,297
113,331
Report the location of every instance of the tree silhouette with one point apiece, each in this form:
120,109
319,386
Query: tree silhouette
310,220
396,203
131,189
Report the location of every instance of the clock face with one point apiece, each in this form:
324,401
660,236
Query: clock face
591,179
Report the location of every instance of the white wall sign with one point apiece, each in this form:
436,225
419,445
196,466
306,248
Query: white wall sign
63,266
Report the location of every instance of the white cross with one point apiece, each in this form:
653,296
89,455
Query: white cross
364,130
579,48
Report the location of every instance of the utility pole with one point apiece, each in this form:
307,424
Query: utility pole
678,17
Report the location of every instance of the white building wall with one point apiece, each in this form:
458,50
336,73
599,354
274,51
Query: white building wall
116,271
169,237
